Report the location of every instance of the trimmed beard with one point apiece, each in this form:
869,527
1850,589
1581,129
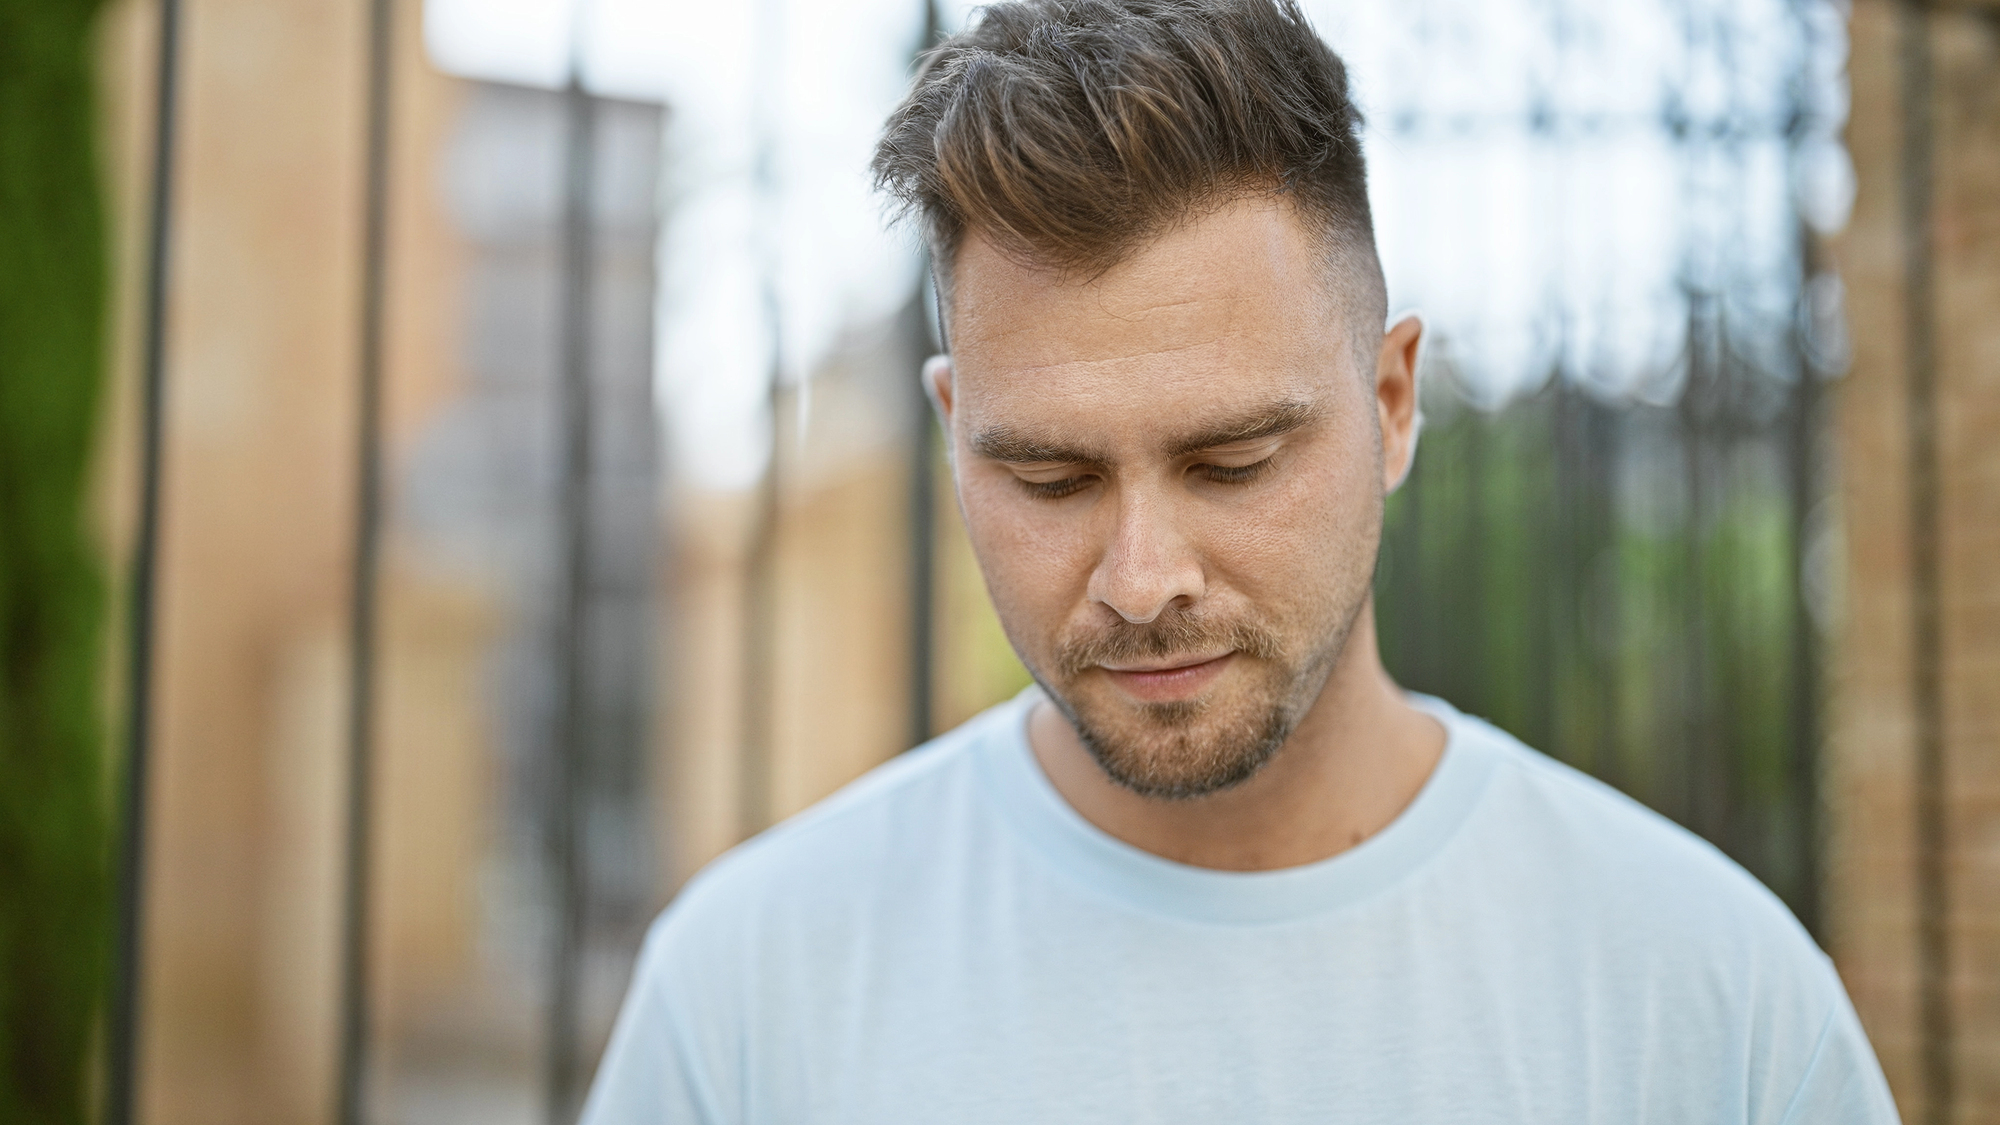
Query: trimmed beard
1168,757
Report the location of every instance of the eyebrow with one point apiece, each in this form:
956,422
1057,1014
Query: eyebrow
1271,421
1004,443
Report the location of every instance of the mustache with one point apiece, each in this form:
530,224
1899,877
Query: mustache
1168,635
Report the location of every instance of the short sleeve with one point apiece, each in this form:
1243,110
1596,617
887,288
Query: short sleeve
660,1067
1843,1084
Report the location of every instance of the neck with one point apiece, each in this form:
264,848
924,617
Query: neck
1356,761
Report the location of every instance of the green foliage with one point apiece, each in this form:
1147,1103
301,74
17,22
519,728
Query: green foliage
54,851
1615,586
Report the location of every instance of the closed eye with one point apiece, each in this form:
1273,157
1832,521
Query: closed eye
1055,489
1235,474
1053,481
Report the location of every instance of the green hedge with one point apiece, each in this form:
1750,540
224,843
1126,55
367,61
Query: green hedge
54,843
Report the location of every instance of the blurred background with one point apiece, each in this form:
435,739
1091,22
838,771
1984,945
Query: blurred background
485,478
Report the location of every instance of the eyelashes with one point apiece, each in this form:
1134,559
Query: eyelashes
1216,474
1054,489
1235,474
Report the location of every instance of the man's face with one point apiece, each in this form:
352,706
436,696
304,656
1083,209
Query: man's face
1172,475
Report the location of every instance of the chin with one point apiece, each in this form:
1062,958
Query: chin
1184,749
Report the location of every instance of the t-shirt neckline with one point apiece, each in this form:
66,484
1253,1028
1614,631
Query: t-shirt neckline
1108,866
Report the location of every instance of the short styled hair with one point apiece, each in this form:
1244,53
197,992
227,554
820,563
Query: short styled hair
1068,132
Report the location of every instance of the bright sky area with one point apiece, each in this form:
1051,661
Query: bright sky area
1551,179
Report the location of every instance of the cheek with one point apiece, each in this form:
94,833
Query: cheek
1035,565
1307,539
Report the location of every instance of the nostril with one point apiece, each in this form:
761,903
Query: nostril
1139,602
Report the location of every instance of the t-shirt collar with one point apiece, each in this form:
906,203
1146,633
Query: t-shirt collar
1106,865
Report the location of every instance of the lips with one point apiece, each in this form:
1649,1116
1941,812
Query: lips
1169,684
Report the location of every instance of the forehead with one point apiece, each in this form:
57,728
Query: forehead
1232,308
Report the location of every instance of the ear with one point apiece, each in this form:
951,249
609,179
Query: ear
937,387
1396,398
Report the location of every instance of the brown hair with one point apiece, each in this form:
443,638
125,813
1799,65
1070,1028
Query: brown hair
1068,131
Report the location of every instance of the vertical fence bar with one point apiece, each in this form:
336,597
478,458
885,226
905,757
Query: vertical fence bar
1803,704
1698,760
1400,571
1926,624
1473,557
1603,579
1568,662
355,977
923,483
121,1048
1806,460
760,593
573,728
923,534
760,614
1544,514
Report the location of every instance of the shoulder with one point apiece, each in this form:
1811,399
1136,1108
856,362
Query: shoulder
1603,862
1707,961
1616,836
884,832
1718,963
770,917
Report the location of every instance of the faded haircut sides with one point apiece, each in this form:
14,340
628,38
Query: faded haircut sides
1069,132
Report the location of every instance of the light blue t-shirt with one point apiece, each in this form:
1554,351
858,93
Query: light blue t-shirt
947,941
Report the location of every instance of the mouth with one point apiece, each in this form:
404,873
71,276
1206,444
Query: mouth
1168,683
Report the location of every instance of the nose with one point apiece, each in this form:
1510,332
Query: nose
1149,564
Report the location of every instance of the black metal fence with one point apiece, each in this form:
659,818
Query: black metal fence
1633,572
1631,581
1627,587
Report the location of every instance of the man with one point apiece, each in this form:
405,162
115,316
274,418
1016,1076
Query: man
1216,867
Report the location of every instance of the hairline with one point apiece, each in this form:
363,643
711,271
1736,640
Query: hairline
1350,267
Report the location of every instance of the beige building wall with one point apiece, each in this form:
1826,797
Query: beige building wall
840,689
247,810
242,895
1873,877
